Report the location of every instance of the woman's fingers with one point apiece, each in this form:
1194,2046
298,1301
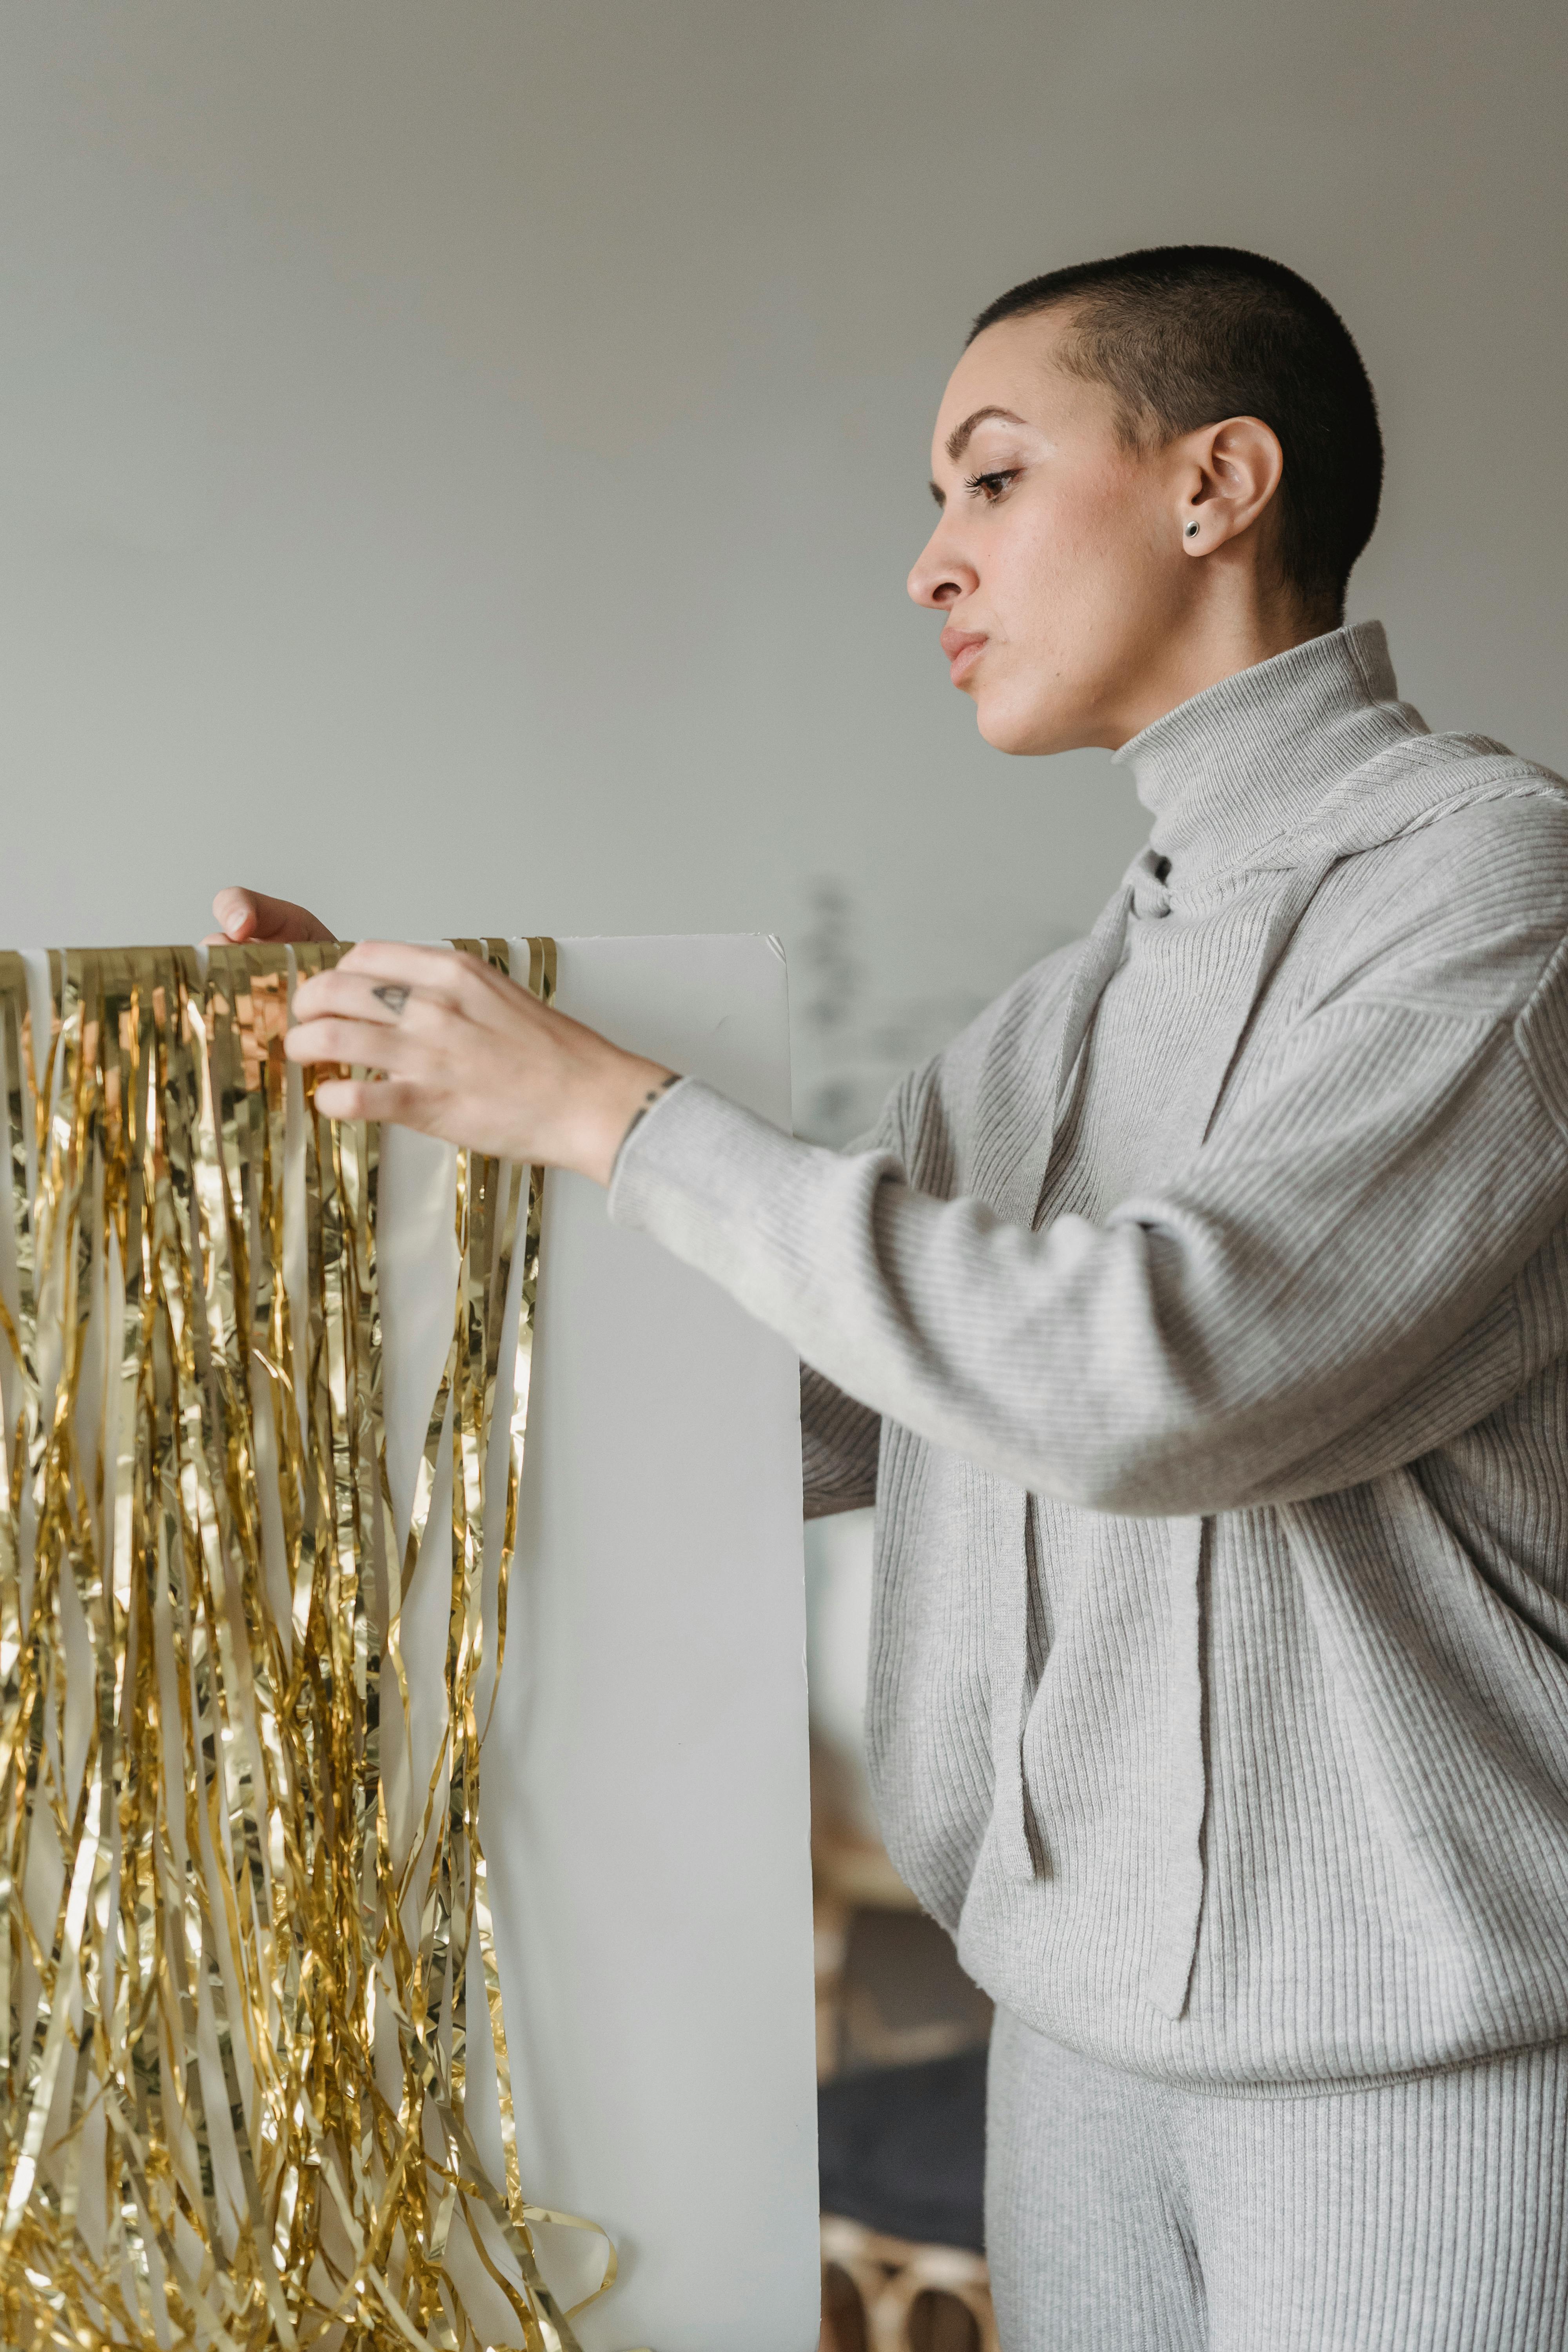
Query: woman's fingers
387,1099
440,969
462,1052
378,1045
359,995
439,973
443,976
414,1013
246,915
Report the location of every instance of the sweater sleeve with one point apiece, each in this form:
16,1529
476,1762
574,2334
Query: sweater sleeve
840,1442
1391,1170
841,1438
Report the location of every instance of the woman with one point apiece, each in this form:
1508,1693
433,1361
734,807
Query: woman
1199,1323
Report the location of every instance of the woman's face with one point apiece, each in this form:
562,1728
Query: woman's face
1058,560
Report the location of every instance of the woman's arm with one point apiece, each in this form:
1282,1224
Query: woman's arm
1202,1349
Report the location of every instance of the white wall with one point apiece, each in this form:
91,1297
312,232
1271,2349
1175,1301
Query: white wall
458,463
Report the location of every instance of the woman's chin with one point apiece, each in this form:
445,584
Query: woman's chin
1026,729
1005,729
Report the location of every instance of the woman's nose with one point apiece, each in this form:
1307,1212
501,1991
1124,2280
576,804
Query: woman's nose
940,577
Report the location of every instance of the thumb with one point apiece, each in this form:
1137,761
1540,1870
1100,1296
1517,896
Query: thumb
251,914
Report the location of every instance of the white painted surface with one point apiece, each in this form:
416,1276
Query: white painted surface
839,1574
645,1799
458,464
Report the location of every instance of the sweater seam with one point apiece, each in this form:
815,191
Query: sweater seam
1483,1018
1558,956
1526,781
1523,1045
1340,2086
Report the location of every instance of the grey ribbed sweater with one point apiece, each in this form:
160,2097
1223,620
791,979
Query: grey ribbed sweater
1199,1321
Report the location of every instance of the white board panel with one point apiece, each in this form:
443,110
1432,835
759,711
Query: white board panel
645,1802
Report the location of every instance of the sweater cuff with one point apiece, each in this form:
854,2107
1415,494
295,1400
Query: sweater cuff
686,1158
780,1225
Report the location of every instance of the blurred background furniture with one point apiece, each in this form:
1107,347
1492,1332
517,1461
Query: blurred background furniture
901,2033
884,2295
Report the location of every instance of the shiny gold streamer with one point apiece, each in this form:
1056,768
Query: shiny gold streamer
233,2106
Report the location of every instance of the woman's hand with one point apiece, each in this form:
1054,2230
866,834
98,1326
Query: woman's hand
465,1054
248,915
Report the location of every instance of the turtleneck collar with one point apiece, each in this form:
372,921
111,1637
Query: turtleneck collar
1245,763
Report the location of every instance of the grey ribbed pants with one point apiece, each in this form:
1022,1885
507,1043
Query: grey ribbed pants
1426,2214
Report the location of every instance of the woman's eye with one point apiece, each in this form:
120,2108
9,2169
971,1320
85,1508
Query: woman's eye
990,487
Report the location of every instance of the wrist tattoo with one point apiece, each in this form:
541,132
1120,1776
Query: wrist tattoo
647,1104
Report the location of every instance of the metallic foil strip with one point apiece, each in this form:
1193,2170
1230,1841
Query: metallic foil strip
207,1934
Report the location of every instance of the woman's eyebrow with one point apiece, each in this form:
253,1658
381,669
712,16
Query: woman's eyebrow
958,439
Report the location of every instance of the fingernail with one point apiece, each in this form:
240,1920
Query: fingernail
231,923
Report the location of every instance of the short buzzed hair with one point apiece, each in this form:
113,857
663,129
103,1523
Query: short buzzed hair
1185,335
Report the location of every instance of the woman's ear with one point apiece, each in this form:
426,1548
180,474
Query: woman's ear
1229,474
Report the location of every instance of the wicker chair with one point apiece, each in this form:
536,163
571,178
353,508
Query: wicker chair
884,2294
901,2131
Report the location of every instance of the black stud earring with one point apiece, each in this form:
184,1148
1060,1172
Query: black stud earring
1192,531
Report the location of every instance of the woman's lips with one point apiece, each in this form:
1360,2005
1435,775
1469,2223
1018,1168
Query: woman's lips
963,648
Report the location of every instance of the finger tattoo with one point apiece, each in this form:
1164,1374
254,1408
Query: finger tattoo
394,995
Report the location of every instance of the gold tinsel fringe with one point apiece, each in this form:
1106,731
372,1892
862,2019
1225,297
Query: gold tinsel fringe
232,2103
